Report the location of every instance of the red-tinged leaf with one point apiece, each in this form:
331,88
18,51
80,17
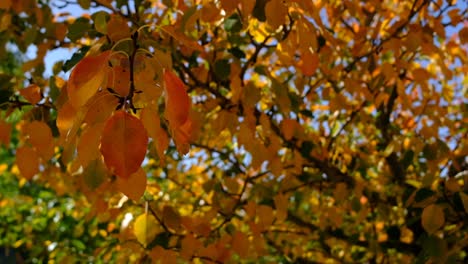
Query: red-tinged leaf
309,63
86,78
28,162
32,93
133,187
40,137
5,133
177,100
182,137
123,144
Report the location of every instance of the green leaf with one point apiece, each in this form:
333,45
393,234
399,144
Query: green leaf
78,29
236,52
76,57
100,21
85,4
233,24
222,69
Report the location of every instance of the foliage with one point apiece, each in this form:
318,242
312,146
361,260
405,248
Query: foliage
234,131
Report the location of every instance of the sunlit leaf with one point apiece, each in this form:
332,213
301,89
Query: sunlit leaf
145,228
123,144
32,93
5,133
40,137
86,78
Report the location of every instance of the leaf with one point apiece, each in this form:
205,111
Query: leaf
120,80
117,28
32,93
151,122
133,187
86,78
5,133
171,218
240,244
309,63
432,218
275,12
123,144
40,137
28,162
65,118
94,173
145,228
76,57
222,69
177,110
100,21
88,145
189,247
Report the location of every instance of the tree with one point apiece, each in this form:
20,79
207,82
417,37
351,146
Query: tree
235,131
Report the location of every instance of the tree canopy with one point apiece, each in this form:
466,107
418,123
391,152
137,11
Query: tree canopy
234,131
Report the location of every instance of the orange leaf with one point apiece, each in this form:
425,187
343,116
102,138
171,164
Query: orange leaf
309,63
32,93
133,187
177,100
65,117
27,161
123,144
120,80
5,132
153,126
86,78
88,146
40,137
276,12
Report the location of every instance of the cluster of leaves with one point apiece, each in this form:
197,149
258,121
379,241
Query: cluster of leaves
236,131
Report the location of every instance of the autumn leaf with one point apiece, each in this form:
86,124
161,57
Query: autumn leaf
432,218
28,161
40,137
86,78
151,122
32,93
134,187
145,228
5,132
123,144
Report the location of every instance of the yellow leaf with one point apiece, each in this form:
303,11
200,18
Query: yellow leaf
32,93
133,187
276,12
5,133
145,228
28,162
432,218
86,78
40,137
123,144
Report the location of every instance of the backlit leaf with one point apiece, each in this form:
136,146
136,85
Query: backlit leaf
123,144
94,173
432,218
151,122
177,100
32,93
88,145
133,187
145,228
86,78
28,161
275,12
40,137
